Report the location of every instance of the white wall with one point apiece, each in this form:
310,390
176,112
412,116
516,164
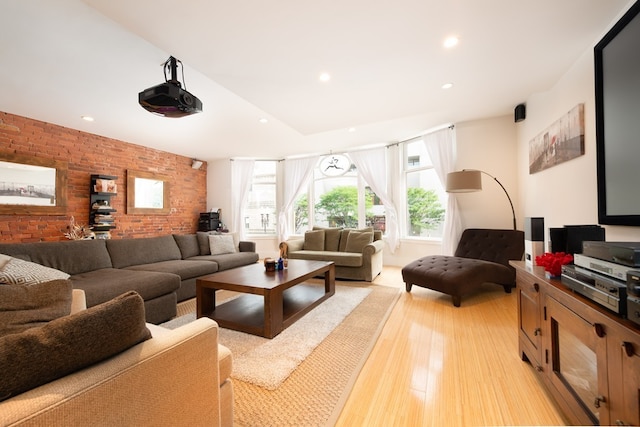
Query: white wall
565,194
491,146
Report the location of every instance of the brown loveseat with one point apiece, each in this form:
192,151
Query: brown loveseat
357,254
163,270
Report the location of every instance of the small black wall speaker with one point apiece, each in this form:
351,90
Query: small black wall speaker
520,113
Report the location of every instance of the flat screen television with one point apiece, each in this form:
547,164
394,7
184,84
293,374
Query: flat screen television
617,98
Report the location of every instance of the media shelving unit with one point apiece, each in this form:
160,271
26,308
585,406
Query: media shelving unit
101,219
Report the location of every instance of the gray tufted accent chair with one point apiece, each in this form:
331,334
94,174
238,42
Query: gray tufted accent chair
482,256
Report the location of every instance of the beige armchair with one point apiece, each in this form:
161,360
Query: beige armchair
178,377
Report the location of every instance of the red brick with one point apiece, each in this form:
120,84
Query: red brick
88,154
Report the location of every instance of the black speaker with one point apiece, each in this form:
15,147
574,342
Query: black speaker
569,238
534,229
520,113
533,239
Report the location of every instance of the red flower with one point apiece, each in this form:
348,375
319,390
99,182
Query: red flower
553,262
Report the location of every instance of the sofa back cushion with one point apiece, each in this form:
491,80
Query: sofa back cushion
70,256
188,245
331,238
313,240
491,245
146,250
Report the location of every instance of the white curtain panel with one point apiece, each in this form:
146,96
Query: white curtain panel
241,177
441,146
297,173
370,163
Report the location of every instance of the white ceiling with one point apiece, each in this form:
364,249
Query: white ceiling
248,60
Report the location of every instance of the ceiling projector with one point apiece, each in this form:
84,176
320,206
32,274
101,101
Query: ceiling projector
169,99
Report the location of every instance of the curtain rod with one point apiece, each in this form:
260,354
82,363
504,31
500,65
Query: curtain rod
425,133
392,144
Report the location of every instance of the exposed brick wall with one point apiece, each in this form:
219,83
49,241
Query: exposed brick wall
88,154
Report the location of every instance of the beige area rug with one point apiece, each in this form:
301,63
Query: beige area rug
314,393
289,348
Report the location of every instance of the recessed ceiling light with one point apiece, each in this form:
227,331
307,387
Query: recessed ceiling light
447,86
450,42
87,118
352,129
325,77
263,120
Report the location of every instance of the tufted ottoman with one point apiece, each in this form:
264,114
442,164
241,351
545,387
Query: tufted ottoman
482,256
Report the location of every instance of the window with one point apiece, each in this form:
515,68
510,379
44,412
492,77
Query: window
260,214
338,200
425,196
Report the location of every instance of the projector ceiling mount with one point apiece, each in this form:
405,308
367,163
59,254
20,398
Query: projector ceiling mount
169,99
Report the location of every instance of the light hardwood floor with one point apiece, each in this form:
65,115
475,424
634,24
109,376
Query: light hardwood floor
438,365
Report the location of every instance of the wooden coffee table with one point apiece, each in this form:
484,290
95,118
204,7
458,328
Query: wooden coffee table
272,302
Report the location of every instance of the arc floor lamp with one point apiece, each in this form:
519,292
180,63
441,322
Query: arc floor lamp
470,180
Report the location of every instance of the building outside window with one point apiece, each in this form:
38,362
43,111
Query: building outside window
260,214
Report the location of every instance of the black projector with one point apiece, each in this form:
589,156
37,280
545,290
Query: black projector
169,100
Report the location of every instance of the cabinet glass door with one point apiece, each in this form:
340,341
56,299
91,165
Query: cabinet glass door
578,348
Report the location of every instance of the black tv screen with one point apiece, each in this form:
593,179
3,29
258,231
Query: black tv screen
617,97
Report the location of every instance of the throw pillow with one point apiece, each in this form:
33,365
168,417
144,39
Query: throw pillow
203,240
221,244
19,272
4,259
27,306
357,240
314,240
344,237
41,355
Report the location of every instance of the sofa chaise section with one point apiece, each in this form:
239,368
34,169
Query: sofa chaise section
159,254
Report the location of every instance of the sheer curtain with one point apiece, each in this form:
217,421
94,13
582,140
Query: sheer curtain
372,166
441,148
241,177
297,173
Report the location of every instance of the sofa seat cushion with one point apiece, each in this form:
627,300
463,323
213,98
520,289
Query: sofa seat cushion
107,283
186,269
40,355
225,361
340,259
227,261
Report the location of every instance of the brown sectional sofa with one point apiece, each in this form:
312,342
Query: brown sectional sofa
163,270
